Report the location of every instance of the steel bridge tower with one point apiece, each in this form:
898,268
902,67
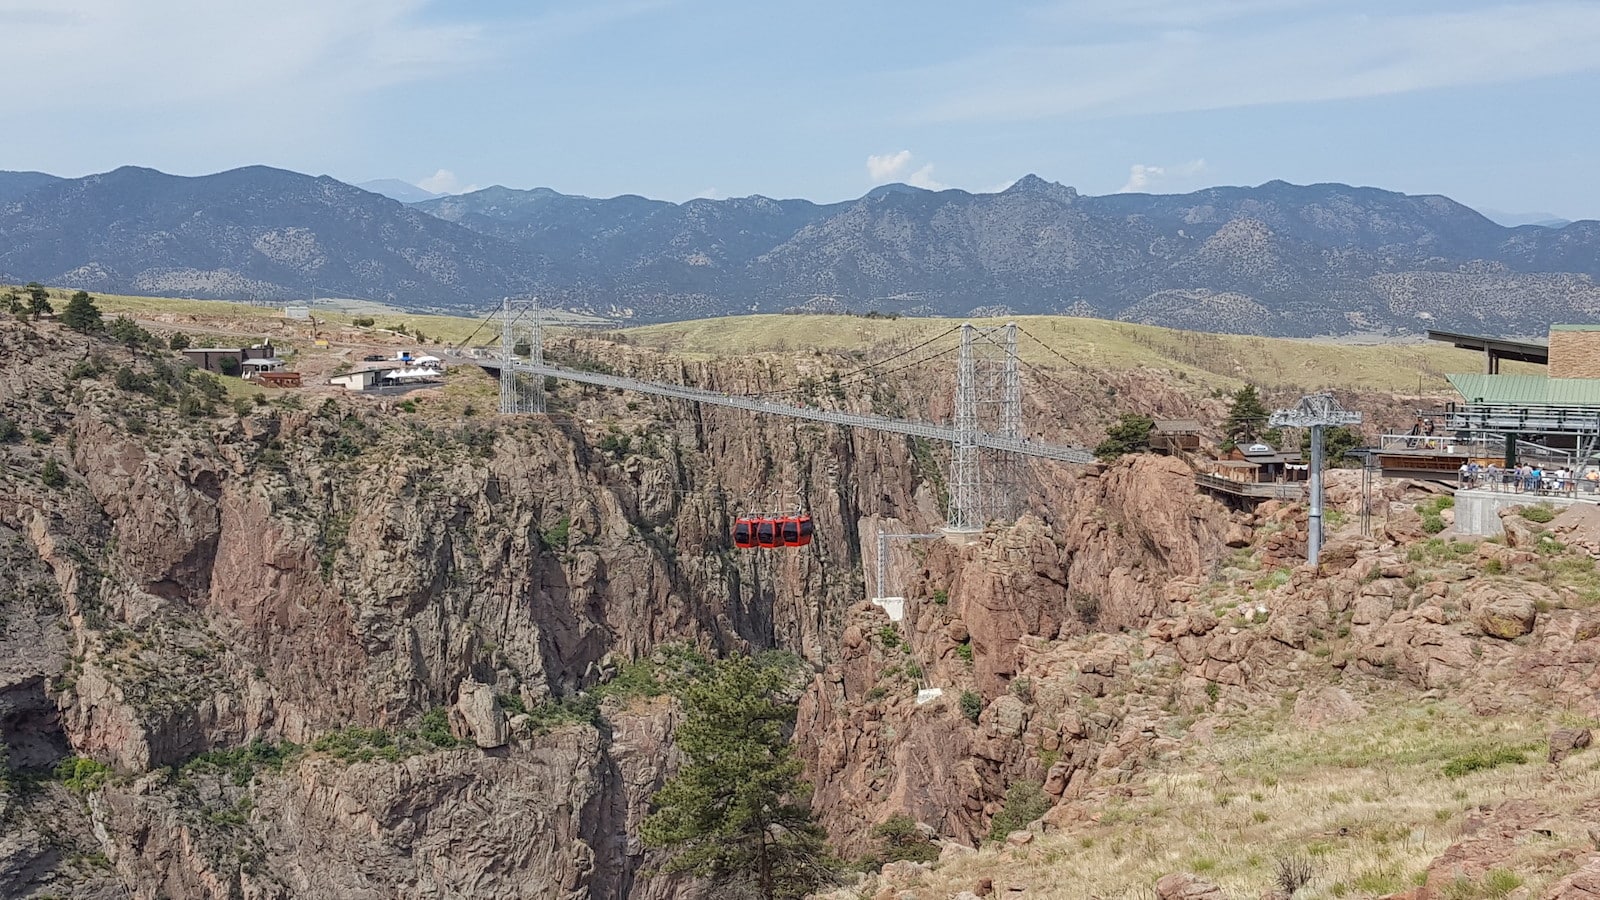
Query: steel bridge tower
983,485
521,392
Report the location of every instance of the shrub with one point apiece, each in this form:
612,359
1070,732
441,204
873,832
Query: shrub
51,474
1432,522
1293,873
555,537
435,727
1025,801
964,651
80,774
1540,514
9,432
971,705
363,321
900,840
1480,760
889,636
178,341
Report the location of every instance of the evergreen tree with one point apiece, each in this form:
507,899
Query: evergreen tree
736,812
1337,441
1247,418
38,299
81,314
1131,434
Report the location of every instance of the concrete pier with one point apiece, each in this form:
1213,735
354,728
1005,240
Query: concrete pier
1478,511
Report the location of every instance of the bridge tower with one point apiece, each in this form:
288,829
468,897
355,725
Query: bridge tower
983,484
521,392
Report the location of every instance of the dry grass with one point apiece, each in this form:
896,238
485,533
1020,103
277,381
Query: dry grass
1367,803
1096,343
1216,360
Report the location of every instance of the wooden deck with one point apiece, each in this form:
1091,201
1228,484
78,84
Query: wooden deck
1288,490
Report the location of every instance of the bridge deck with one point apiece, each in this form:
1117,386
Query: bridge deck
1017,445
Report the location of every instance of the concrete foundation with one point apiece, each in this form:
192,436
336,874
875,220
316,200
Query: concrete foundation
927,695
895,607
1478,512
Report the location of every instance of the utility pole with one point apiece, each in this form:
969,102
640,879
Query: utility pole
1316,412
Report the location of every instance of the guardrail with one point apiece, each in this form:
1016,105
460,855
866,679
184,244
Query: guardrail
856,420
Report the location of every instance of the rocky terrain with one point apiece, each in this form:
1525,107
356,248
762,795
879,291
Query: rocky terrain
361,647
1275,259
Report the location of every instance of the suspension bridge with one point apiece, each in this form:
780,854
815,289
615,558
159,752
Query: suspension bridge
988,377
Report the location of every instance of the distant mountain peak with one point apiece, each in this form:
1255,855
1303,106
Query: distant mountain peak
1033,184
893,187
395,189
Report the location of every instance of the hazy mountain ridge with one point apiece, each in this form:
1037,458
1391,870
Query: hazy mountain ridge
252,233
1274,259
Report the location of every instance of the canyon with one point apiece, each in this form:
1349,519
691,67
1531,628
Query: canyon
320,645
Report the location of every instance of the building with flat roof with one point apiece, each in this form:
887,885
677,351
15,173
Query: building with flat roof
1550,419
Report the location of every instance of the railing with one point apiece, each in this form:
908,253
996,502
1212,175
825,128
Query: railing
1492,447
854,420
1271,490
1504,418
1511,483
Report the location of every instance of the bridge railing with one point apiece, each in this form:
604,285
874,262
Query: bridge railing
944,433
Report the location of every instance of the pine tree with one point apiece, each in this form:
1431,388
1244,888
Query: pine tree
1247,418
81,314
1131,434
38,299
736,812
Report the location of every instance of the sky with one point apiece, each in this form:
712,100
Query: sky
1493,104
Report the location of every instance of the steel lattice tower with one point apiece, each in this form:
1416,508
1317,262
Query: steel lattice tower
983,486
520,392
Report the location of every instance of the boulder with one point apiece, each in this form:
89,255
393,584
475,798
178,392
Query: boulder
1186,886
1565,741
1326,706
1500,613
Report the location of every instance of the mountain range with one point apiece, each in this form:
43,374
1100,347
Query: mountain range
1277,259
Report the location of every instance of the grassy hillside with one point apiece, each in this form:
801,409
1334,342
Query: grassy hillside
1055,342
1094,343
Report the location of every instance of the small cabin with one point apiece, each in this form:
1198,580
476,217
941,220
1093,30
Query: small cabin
1255,472
1175,436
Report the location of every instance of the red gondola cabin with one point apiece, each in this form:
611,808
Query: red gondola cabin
772,532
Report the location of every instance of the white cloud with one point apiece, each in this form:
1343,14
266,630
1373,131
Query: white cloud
709,193
1142,178
923,178
892,167
170,52
445,181
888,166
1330,55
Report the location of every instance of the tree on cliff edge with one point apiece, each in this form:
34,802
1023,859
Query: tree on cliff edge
1247,420
736,813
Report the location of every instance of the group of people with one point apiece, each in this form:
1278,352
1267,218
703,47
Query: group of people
1527,478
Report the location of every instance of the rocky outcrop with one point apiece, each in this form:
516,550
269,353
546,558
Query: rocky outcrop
549,817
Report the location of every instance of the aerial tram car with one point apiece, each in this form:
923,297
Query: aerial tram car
771,532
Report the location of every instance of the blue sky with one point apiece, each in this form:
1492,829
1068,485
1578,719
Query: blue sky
1493,104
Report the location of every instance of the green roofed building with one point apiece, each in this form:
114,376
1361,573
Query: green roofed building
1552,420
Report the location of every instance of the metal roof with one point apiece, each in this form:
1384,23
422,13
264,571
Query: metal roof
1527,390
1177,426
1520,351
